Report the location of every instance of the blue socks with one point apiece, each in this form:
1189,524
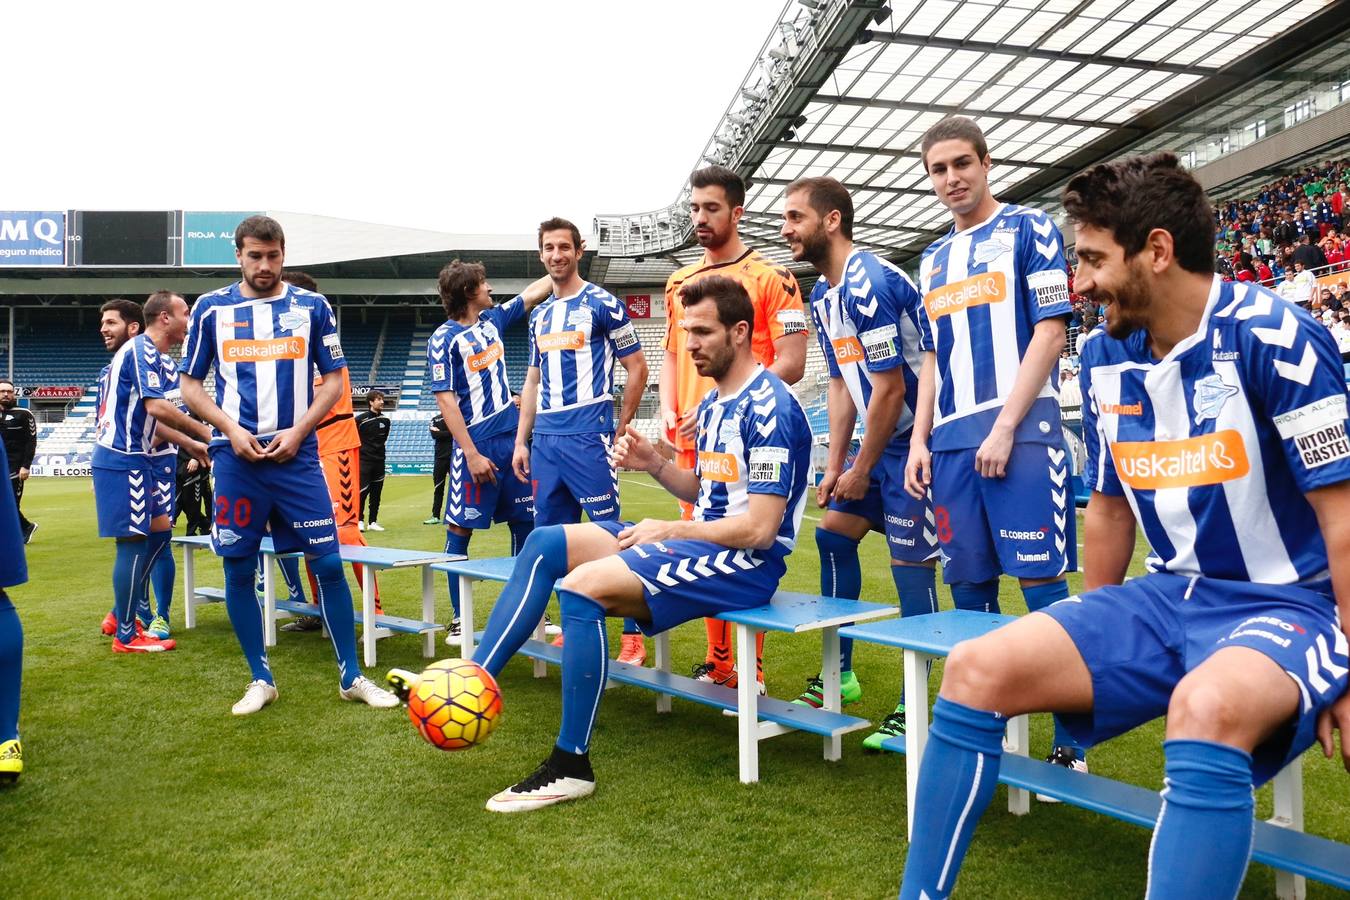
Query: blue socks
1042,595
917,589
128,578
1203,840
290,573
520,531
1038,598
541,562
585,666
980,596
163,571
459,543
245,612
335,606
11,669
957,778
840,576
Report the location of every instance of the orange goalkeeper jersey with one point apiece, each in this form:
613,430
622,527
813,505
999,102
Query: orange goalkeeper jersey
778,311
337,431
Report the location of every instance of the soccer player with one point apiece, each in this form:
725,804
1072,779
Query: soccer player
996,291
1215,418
134,412
373,426
262,338
874,333
163,458
716,204
13,571
749,494
466,362
575,337
18,430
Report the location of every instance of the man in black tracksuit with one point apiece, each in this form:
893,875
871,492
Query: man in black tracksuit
445,448
18,429
373,426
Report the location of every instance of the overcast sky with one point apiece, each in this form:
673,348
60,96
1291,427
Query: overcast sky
470,117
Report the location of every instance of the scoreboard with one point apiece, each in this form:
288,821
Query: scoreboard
128,239
124,238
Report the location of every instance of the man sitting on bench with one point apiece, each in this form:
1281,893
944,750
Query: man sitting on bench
1215,414
754,451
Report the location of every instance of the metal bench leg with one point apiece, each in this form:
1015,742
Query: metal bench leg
189,587
747,704
662,664
829,678
428,613
1289,814
269,602
368,628
1018,740
916,725
465,617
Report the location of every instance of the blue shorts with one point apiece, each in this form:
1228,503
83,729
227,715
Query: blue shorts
571,473
1020,525
686,580
166,482
1140,638
469,504
292,497
907,523
126,498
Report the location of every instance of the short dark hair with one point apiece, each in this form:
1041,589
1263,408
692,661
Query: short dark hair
156,303
954,128
733,303
721,176
260,228
374,394
457,283
826,194
4,381
559,224
129,310
1133,196
302,280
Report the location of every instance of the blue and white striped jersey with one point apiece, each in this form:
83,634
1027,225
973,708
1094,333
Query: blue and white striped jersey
263,352
471,362
574,342
753,441
985,288
873,322
138,372
1215,444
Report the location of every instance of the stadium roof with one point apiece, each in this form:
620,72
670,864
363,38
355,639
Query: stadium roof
848,87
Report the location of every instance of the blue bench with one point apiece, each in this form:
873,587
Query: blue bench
371,558
758,718
1279,843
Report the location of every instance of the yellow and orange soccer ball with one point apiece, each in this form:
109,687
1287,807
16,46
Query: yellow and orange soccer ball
455,704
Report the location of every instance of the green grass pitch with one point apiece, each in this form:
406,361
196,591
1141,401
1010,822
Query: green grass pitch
138,780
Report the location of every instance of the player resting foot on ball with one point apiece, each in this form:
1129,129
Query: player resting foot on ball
754,453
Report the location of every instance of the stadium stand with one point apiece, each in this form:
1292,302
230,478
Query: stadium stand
45,353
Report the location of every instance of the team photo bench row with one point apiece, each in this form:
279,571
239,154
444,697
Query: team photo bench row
1279,843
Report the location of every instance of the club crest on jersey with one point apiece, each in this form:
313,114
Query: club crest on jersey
293,318
578,317
996,245
729,430
1211,393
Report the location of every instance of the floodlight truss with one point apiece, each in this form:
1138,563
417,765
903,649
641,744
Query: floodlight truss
847,87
